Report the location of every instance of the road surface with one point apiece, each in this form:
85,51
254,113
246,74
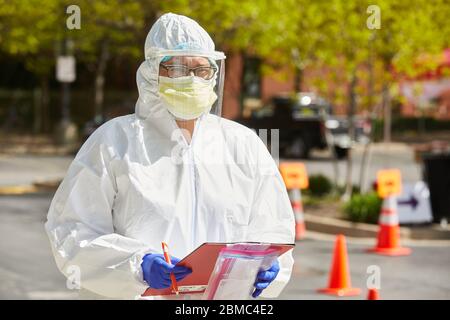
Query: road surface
28,271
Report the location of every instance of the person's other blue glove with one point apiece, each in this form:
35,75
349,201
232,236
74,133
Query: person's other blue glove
265,277
157,271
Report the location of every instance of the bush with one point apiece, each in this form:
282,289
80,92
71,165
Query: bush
319,185
363,208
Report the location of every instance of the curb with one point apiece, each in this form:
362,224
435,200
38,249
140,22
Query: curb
38,149
36,187
17,190
363,230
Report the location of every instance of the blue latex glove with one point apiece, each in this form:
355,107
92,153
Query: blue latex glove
157,271
265,277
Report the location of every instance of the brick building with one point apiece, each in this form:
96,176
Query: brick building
427,94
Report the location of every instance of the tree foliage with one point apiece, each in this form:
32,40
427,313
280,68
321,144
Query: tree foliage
286,34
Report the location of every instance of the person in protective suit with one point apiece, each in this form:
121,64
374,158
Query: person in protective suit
174,171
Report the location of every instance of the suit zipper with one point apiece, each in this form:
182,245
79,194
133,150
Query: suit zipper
194,198
193,180
193,184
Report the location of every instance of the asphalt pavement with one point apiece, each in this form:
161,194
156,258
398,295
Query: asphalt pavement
28,271
22,170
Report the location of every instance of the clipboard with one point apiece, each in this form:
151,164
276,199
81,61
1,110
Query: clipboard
202,261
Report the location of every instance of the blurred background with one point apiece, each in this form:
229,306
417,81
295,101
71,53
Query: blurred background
353,87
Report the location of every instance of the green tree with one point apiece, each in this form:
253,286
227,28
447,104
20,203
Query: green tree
35,31
28,30
114,28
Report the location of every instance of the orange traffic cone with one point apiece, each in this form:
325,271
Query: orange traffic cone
388,242
373,294
340,283
297,206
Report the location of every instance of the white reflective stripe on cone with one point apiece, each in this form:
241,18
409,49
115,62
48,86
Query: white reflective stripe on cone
389,219
388,215
299,217
295,195
390,203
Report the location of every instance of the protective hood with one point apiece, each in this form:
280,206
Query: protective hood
168,34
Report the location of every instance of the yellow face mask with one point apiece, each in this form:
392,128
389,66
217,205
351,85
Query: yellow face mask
187,97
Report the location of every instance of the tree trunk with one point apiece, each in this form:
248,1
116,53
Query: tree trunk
45,105
351,132
366,153
387,113
334,158
100,81
387,110
37,107
298,79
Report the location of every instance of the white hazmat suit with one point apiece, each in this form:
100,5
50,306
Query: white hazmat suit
136,183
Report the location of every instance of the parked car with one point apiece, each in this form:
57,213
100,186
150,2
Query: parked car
305,122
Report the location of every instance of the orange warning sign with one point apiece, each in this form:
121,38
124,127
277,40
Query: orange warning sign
294,175
389,182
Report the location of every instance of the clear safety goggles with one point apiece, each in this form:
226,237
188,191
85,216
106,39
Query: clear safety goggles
189,80
176,69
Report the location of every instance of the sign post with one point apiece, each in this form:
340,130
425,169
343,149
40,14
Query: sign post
66,131
295,178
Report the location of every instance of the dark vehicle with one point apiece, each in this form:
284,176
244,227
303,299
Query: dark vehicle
305,122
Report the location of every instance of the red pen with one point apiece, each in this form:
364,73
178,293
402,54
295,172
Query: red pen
172,276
